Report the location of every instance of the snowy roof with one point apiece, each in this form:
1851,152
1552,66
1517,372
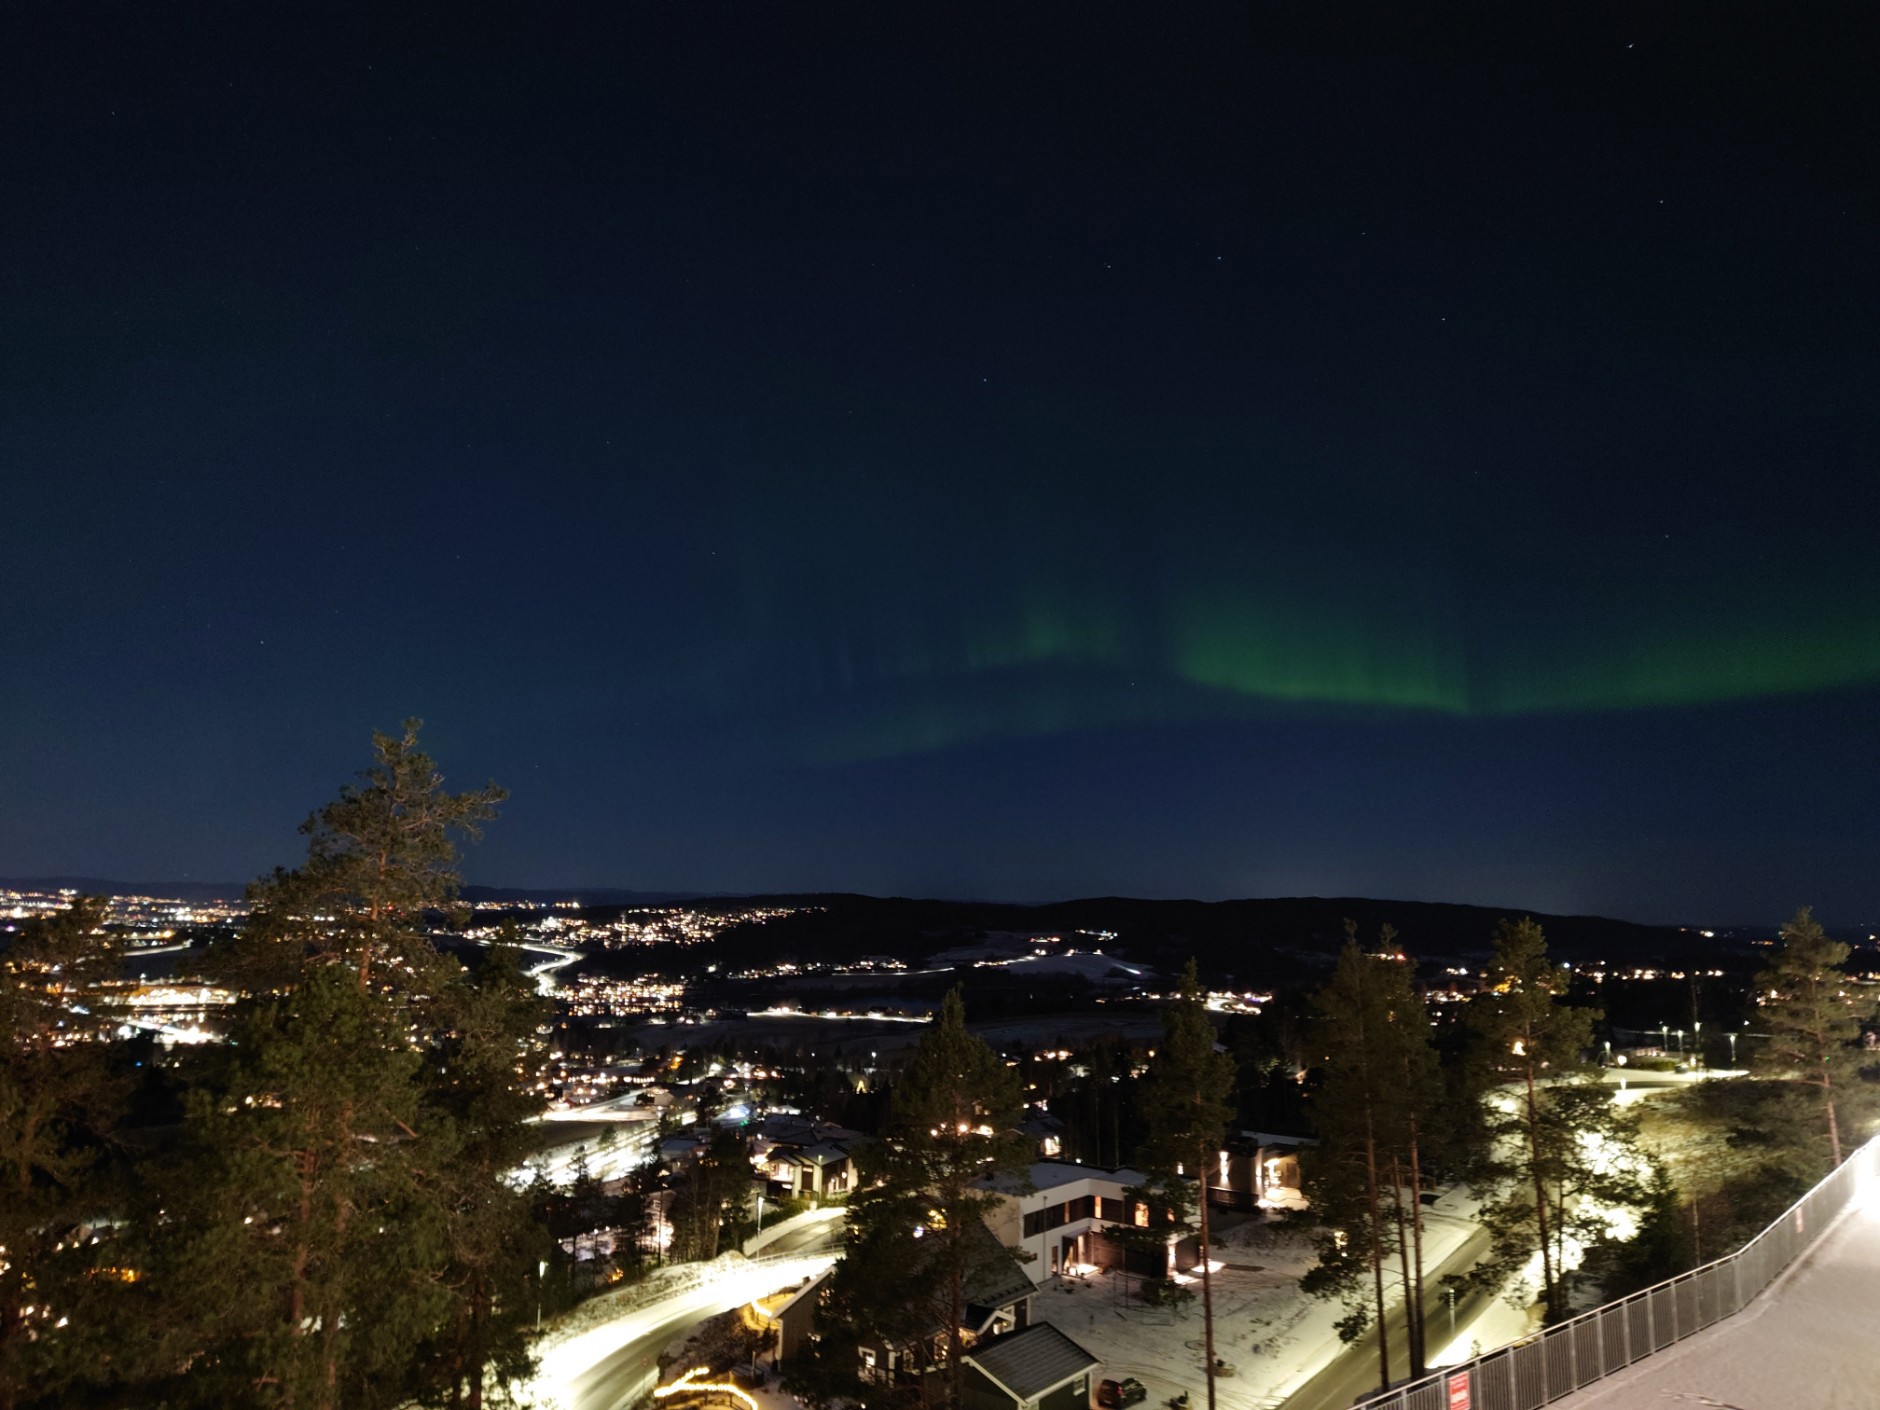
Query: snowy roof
810,1286
1029,1362
994,1277
1050,1174
824,1154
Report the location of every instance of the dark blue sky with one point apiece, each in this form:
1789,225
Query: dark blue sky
1016,452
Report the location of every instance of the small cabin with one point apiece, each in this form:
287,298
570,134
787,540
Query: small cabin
1033,1368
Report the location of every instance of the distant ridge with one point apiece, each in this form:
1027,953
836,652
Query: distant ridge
1230,936
1275,939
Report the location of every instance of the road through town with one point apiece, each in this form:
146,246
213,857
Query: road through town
613,1364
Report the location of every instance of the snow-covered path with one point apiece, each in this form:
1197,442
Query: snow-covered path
1808,1342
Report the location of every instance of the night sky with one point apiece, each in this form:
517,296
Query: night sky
1022,452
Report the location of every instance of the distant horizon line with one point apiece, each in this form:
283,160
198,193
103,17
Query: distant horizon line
616,895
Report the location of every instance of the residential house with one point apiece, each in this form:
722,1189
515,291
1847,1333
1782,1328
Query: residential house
1034,1368
794,1317
1257,1170
808,1159
1062,1219
997,1293
1046,1134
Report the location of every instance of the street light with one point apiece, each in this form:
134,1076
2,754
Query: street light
760,1214
541,1272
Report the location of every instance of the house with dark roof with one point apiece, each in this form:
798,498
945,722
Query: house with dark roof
1033,1368
997,1294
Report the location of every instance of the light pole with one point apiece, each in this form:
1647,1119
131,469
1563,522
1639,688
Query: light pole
1733,1048
760,1215
541,1273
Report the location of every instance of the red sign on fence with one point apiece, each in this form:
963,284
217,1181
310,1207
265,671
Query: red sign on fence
1459,1398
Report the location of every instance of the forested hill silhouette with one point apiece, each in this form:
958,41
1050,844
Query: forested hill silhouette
1249,939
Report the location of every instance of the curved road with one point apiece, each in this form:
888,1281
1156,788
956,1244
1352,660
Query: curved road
612,1366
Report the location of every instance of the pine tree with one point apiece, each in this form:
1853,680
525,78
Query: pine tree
61,1099
1362,1124
1374,1110
297,1205
1188,1098
953,1124
1414,1115
335,1225
911,1247
380,858
711,1195
1812,1018
476,1106
1528,1041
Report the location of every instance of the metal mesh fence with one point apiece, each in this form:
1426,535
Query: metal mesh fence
1562,1359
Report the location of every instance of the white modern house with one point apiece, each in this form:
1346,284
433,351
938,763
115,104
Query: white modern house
1059,1222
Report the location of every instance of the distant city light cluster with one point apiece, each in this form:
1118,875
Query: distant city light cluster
598,996
661,925
142,919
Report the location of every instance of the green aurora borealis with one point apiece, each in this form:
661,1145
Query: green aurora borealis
955,653
1191,451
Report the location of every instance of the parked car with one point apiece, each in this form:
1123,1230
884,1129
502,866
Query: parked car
1114,1395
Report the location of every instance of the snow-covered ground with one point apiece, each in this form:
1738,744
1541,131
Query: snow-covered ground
1807,1343
1273,1336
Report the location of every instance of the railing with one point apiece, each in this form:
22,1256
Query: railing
1560,1360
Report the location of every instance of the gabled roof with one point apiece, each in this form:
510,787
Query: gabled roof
824,1153
994,1278
811,1286
1031,1361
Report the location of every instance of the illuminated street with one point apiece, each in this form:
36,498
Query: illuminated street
615,1363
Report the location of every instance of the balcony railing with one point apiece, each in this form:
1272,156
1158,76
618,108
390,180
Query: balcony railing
1554,1363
